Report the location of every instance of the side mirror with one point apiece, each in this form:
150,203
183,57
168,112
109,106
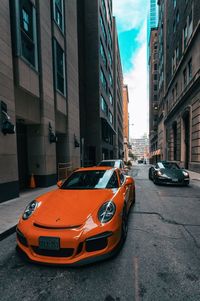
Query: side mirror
59,183
129,180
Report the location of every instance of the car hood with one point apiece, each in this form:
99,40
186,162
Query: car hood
69,208
173,173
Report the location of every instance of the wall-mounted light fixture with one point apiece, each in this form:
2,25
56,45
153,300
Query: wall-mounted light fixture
7,127
52,136
76,143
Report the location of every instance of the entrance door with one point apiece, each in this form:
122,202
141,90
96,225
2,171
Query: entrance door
22,155
186,120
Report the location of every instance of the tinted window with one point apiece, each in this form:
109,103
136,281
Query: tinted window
122,178
107,163
168,165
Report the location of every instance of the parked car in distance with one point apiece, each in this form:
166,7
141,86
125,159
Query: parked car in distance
118,163
83,221
165,172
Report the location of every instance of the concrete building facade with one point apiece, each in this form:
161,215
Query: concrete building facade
38,91
179,82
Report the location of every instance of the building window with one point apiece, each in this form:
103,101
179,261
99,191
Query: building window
103,29
110,80
155,66
28,32
177,18
176,90
177,55
190,24
110,57
103,80
185,37
110,117
59,67
58,13
155,77
104,106
109,38
103,7
103,54
155,87
111,98
174,3
190,70
184,77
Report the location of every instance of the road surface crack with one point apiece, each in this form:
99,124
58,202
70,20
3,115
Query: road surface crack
173,223
165,220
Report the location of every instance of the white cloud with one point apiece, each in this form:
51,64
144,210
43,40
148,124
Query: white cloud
130,13
136,79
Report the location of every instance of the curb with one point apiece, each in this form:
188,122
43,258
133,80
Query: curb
7,233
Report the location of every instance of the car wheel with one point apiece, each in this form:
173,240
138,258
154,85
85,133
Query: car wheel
150,178
155,181
124,226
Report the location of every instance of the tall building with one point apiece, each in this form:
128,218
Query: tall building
140,147
118,97
179,82
152,21
38,92
125,122
97,78
153,97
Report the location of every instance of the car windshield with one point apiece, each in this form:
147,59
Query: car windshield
169,165
110,163
92,179
107,163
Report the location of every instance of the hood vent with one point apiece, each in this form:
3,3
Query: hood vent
56,227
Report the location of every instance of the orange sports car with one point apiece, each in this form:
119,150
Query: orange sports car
85,220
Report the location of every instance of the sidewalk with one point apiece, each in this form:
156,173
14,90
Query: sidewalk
11,210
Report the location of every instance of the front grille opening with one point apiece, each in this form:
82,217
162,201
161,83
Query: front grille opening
21,238
96,244
80,248
65,252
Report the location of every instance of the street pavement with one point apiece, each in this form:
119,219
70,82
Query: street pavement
160,260
11,210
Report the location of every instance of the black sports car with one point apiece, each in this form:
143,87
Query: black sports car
168,173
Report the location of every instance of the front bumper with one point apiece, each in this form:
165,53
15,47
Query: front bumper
76,246
170,181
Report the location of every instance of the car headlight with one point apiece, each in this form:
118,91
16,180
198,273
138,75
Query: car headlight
185,173
106,212
29,209
159,173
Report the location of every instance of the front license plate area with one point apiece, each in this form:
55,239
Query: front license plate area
175,180
49,243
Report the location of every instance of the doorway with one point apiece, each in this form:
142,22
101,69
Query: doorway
186,138
22,155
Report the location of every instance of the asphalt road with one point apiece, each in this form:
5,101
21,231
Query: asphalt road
159,261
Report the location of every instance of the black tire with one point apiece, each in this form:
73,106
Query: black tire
124,229
155,181
150,177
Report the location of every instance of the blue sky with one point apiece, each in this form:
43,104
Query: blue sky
131,19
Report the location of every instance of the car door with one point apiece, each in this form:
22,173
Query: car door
126,189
